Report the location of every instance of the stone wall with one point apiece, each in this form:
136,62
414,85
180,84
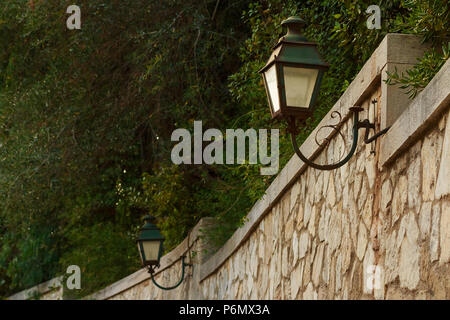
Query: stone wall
376,228
323,239
333,232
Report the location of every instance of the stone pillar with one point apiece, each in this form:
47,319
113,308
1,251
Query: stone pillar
402,52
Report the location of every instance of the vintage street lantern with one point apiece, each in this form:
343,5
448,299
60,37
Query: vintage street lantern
150,243
292,77
293,74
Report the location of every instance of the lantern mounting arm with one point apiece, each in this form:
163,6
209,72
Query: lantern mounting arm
366,124
292,128
183,266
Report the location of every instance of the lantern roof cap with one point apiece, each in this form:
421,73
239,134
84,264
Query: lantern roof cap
293,48
149,230
295,25
294,20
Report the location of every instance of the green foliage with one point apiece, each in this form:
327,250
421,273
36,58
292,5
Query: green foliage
84,112
430,19
107,254
35,248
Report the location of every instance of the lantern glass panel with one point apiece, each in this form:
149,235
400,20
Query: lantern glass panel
140,252
151,250
272,87
299,85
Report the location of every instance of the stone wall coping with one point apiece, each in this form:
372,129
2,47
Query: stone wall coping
424,110
359,89
40,289
166,262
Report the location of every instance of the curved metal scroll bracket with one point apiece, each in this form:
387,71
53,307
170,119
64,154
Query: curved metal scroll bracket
356,126
183,266
335,127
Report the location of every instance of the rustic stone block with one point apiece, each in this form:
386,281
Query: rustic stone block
434,237
362,241
409,271
414,184
428,157
443,185
399,199
445,233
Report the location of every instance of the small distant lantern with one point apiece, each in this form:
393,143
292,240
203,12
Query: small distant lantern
293,74
150,243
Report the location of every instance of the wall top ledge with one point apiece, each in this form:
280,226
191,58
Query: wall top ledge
40,289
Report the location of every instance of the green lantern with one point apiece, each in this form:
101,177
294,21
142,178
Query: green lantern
293,73
150,243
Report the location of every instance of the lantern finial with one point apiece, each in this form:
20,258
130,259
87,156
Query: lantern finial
294,25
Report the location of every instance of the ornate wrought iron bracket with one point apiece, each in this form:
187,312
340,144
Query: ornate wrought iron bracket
183,266
366,124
